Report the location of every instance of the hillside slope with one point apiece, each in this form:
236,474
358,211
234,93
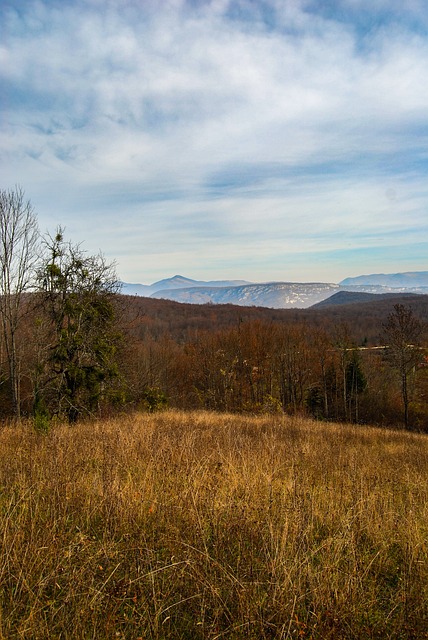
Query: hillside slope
356,297
275,295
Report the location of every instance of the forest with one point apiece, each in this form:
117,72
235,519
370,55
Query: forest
343,364
72,346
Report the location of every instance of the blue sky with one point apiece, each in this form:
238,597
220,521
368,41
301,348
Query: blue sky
263,140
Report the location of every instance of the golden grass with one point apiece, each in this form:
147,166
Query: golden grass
204,526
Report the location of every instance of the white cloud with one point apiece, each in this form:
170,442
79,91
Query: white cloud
293,125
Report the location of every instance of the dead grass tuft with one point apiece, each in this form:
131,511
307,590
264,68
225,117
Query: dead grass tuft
198,525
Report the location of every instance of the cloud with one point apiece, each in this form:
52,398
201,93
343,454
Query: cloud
240,122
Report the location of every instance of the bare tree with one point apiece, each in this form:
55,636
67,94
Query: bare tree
402,332
19,236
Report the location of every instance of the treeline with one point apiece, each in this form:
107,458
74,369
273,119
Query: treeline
71,346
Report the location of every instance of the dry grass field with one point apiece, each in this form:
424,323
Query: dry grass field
203,526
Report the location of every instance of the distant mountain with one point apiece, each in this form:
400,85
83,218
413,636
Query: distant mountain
180,282
176,282
128,289
276,295
407,280
279,295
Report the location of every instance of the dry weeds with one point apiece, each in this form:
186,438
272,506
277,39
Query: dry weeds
203,526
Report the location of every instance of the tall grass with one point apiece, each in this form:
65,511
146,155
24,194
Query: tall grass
204,526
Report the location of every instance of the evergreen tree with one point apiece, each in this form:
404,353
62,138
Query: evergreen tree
77,298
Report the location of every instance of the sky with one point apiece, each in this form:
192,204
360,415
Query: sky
263,140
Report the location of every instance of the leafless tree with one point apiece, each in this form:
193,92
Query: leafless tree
402,333
19,236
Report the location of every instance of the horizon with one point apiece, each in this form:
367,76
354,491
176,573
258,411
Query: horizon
177,275
262,140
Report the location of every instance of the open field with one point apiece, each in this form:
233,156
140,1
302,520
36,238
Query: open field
205,526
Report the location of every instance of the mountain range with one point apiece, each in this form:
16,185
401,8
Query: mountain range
279,295
176,282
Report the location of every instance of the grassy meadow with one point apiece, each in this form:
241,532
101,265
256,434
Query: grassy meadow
208,526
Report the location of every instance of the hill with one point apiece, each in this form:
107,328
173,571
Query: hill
156,317
355,297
